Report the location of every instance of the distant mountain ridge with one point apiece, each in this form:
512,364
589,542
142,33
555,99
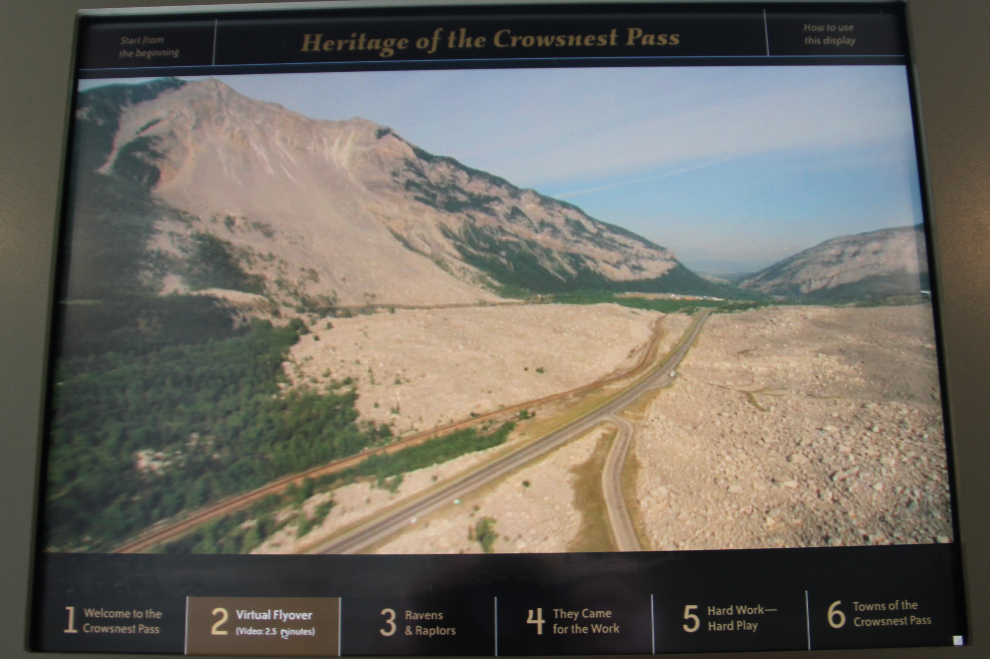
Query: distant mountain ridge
887,262
244,194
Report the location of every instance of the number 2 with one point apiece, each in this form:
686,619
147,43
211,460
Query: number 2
538,620
690,616
390,621
216,631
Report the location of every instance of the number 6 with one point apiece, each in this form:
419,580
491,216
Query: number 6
834,613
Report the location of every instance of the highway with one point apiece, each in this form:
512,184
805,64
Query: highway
619,521
393,521
170,530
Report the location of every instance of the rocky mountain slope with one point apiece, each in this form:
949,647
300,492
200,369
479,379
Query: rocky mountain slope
239,194
875,264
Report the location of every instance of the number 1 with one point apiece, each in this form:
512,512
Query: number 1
71,629
538,620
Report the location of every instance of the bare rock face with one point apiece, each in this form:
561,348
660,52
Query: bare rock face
879,263
282,194
349,213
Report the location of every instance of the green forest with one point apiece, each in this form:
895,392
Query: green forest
244,530
163,403
207,420
663,305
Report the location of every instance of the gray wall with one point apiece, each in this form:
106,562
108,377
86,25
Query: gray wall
950,38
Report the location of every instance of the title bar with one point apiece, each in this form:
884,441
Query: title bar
252,40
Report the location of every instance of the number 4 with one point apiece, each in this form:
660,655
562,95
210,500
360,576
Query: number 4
538,620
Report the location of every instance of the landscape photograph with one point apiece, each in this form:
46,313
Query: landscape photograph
495,311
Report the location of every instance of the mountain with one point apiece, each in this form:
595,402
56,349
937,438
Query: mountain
875,264
227,192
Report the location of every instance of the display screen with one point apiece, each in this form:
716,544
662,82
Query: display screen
558,330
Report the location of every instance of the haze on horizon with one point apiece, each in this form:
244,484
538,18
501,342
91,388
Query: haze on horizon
733,168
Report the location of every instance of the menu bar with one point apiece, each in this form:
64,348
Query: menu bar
501,605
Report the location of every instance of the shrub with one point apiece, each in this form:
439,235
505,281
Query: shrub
485,535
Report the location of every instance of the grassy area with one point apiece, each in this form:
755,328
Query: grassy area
430,452
243,531
894,301
636,410
663,305
732,306
692,306
589,500
651,304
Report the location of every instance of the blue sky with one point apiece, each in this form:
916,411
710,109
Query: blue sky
733,168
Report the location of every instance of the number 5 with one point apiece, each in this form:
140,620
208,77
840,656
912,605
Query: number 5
690,616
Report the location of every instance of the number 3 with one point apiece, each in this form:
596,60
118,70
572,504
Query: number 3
390,621
216,631
690,616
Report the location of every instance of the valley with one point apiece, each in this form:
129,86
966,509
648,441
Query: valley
285,334
772,434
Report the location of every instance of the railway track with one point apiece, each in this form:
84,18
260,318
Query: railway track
174,529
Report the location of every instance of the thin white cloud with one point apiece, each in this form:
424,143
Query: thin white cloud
805,116
643,179
539,127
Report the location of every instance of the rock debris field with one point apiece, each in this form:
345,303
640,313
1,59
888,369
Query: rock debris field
785,427
531,511
799,427
417,369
